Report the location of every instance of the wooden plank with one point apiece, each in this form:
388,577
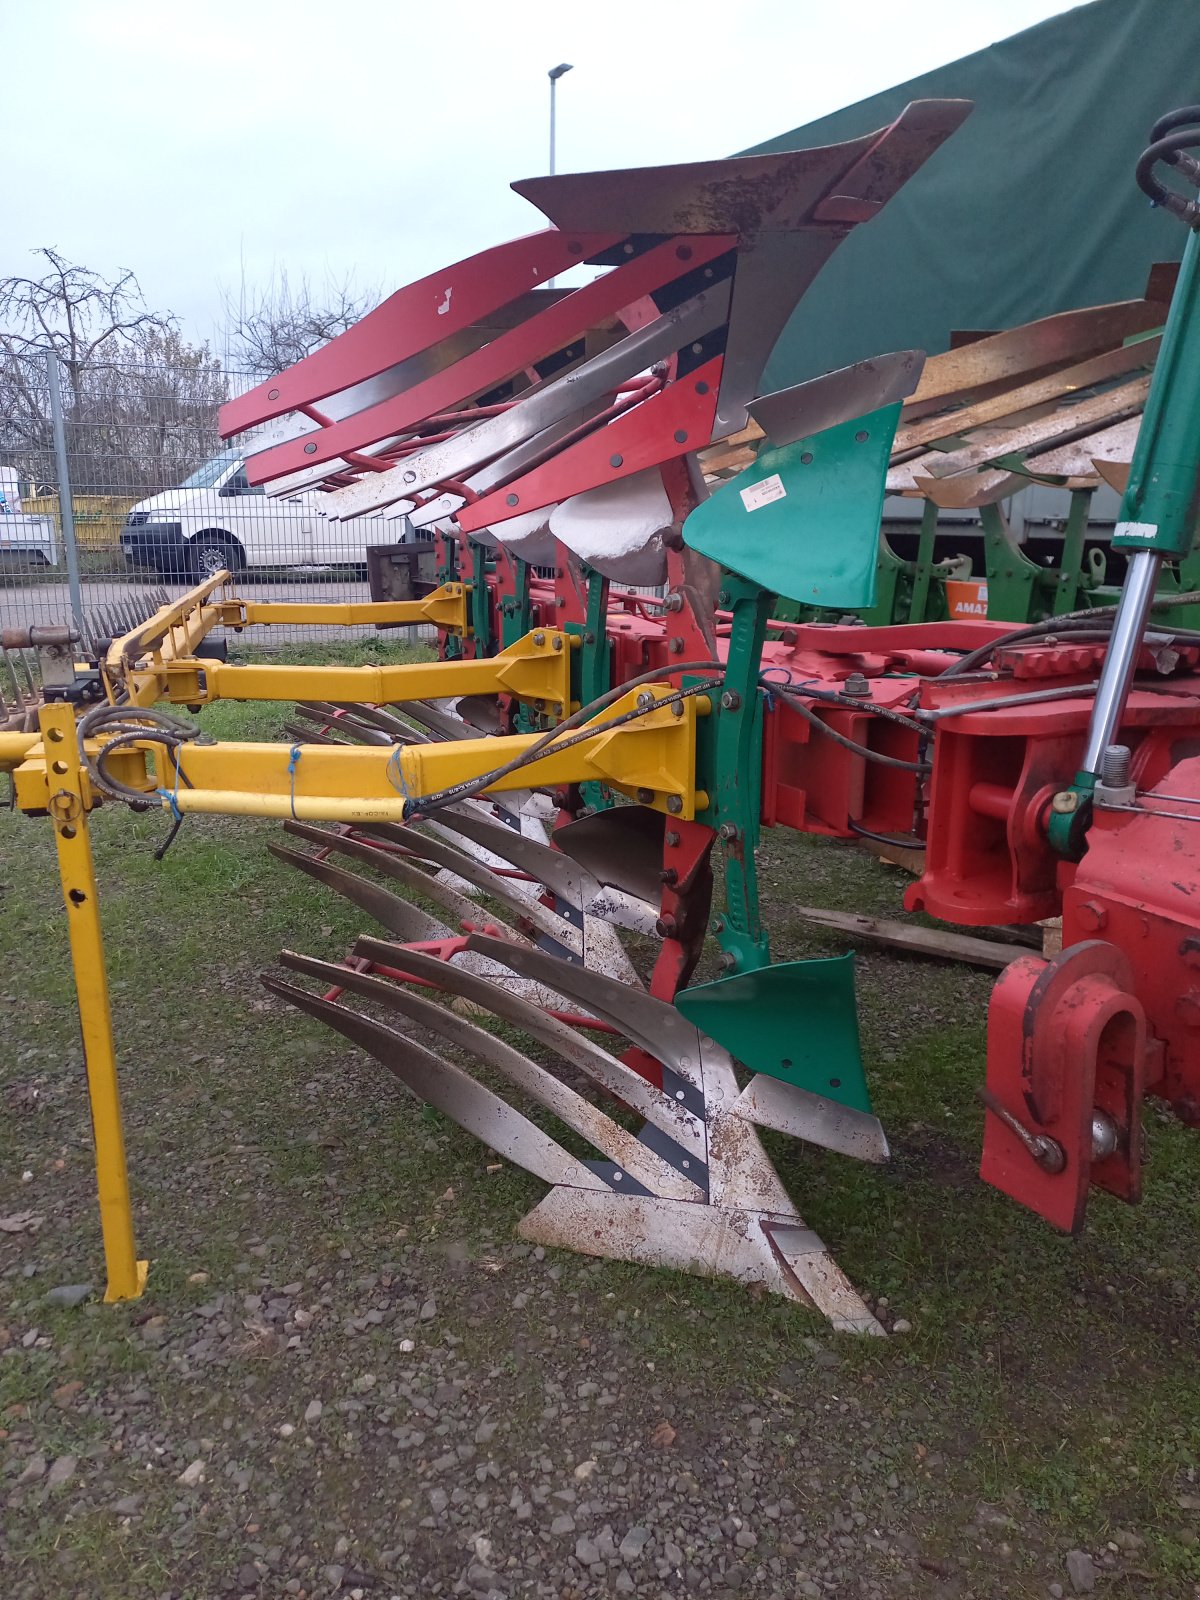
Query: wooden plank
937,943
1100,369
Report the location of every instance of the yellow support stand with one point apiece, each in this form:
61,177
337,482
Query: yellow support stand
68,805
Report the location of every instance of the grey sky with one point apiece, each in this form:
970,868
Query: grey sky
182,140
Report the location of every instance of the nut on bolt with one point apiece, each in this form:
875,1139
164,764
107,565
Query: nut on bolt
728,831
730,700
666,927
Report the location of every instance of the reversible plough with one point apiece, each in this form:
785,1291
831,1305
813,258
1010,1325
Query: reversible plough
562,775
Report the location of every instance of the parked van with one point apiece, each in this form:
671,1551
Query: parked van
217,518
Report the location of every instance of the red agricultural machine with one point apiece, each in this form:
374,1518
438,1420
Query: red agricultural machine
632,681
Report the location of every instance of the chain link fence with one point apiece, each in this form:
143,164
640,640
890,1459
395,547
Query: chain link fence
115,486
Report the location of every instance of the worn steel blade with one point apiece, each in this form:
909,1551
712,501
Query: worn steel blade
621,847
451,1090
672,1118
771,1103
446,857
398,916
585,1119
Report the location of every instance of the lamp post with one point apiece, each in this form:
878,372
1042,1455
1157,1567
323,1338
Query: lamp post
554,75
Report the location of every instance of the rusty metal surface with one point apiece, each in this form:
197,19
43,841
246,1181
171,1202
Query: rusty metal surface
750,1247
748,194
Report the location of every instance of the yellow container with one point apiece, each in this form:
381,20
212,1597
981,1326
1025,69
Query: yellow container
99,518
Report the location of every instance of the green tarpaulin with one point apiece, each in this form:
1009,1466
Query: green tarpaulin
1029,208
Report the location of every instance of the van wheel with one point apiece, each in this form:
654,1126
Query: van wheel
213,551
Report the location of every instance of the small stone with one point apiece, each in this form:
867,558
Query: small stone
61,1472
69,1294
334,1575
564,1523
902,1325
192,1474
624,1583
66,1392
286,1430
35,1468
634,1543
584,1470
586,1552
673,1554
1055,1591
197,1277
128,1505
429,1310
407,1347
1081,1570
313,1410
1125,1540
745,1539
302,1318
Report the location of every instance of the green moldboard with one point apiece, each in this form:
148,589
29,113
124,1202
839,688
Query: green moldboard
797,1020
803,521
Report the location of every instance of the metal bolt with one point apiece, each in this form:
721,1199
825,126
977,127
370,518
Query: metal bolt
669,876
1065,802
561,602
539,639
1114,766
645,700
673,602
1104,1135
728,831
557,641
666,927
674,804
672,841
723,597
726,960
589,638
677,709
718,924
675,646
857,685
645,796
730,700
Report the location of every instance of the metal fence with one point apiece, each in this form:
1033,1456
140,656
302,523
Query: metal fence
115,485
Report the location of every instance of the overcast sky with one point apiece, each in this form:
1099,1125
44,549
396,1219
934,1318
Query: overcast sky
378,137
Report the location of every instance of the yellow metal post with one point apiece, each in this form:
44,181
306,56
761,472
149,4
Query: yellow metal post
68,808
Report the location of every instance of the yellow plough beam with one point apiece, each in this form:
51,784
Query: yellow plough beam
146,660
157,661
652,759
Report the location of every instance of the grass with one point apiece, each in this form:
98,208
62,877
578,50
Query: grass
1053,1378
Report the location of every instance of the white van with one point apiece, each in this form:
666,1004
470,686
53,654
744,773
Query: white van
217,519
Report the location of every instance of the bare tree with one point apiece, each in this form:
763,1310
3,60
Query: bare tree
75,312
271,328
140,402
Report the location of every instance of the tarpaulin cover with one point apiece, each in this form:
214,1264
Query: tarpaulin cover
1029,208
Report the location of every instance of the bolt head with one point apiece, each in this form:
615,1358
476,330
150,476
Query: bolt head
539,639
665,927
674,804
730,700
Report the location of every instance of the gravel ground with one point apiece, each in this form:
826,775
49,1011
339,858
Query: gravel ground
348,1377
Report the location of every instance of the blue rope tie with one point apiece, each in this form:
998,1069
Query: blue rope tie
293,763
171,796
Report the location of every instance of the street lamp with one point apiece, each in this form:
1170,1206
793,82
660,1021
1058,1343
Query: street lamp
554,75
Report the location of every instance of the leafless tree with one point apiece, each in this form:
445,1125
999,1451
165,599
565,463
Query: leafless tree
140,402
269,329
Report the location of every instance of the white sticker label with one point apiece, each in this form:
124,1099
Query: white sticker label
1136,530
762,494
